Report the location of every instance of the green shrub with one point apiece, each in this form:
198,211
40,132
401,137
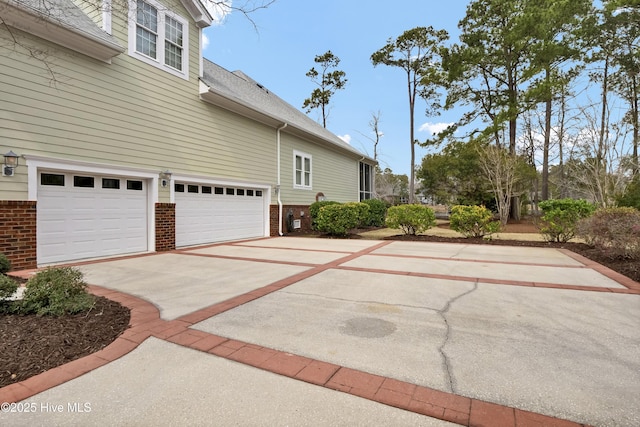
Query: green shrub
56,291
560,218
363,212
473,221
338,219
411,219
8,287
615,231
5,264
631,196
377,212
314,210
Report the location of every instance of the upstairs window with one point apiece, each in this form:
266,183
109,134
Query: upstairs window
301,170
158,37
173,43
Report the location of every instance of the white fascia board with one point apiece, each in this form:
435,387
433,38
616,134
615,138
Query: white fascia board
198,12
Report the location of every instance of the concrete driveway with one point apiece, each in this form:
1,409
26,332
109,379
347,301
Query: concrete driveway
304,331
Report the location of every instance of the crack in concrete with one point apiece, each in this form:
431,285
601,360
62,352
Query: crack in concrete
455,255
441,312
445,359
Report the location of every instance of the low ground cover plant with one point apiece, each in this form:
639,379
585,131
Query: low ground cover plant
560,218
473,221
8,287
411,219
614,231
338,219
56,291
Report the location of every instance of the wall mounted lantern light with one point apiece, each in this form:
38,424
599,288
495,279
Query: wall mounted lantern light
165,178
10,163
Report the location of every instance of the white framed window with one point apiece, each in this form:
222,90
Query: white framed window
159,37
366,181
302,170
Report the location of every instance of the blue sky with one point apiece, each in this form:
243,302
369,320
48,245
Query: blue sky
291,33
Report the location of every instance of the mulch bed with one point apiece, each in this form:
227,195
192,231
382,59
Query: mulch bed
30,344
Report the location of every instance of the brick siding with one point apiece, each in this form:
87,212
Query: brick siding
165,227
305,220
18,233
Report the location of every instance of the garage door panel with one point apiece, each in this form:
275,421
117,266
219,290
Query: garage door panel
208,218
77,222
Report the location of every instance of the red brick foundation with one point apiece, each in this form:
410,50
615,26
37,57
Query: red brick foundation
18,233
305,219
165,227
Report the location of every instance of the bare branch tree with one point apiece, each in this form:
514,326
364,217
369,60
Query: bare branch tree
501,170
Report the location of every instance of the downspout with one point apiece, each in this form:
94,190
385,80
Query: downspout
359,179
280,233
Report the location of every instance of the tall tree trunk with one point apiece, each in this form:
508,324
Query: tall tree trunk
547,137
634,119
412,102
600,171
562,182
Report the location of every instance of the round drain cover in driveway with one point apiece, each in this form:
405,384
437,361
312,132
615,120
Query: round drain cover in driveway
368,327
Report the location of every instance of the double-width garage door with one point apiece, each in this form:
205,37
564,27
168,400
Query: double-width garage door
210,213
86,216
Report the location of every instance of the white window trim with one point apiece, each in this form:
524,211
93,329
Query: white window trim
303,155
159,62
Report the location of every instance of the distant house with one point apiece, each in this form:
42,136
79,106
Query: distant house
130,142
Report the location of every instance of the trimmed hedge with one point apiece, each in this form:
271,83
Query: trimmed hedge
411,219
473,221
314,210
560,218
338,219
377,212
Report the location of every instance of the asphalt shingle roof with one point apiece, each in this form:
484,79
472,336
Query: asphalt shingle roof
239,87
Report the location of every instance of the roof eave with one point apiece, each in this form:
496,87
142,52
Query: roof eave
31,21
212,96
198,12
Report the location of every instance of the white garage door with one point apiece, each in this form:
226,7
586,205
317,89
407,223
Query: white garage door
209,213
83,216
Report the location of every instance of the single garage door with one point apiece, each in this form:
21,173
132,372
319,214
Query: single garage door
84,216
209,213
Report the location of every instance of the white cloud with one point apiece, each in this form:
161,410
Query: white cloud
205,41
434,128
346,138
219,9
